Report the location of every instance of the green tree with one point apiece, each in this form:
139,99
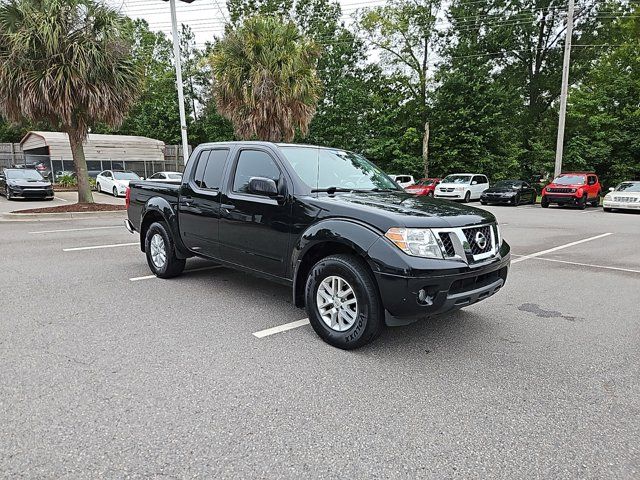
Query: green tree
67,62
404,31
265,79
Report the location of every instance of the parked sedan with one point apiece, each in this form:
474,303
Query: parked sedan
625,196
24,183
424,186
512,192
166,177
115,181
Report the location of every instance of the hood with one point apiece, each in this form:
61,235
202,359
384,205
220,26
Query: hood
562,185
616,193
400,209
500,190
453,185
20,182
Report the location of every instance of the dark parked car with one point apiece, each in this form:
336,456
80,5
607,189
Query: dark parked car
24,183
512,192
41,167
357,250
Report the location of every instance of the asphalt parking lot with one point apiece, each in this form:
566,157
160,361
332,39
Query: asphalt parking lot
108,372
60,198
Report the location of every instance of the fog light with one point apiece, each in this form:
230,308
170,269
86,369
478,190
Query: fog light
424,297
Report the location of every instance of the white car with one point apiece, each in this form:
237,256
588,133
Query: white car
403,180
166,177
625,196
462,186
115,182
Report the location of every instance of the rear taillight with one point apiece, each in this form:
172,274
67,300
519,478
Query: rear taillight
127,197
41,167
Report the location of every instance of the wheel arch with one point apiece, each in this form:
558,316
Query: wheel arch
327,238
158,209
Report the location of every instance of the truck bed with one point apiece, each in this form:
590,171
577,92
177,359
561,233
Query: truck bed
141,191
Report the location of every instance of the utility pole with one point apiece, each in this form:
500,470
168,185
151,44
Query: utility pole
176,56
565,89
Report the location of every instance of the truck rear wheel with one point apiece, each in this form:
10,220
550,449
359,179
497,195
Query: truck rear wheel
343,303
161,253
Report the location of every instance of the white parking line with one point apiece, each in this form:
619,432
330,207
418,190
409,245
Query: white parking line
589,265
281,328
560,247
96,247
76,229
149,277
62,199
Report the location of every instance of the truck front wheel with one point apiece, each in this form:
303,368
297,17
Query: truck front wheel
343,302
161,253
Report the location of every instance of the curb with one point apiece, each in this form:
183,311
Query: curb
24,217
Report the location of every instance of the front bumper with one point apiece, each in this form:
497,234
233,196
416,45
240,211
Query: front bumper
450,195
487,199
561,199
621,205
31,193
446,290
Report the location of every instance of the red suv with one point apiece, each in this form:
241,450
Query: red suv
425,186
573,188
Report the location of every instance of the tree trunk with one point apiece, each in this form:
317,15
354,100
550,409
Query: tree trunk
84,188
425,150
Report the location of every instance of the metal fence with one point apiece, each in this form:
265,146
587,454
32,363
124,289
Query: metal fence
54,168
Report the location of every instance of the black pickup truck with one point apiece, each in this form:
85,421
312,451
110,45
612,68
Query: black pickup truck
358,251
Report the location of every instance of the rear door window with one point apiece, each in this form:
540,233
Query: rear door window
200,166
212,178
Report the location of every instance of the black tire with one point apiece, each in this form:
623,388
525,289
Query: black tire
8,194
115,191
516,201
596,201
369,321
606,209
173,266
483,202
534,198
98,188
544,203
429,194
582,203
467,197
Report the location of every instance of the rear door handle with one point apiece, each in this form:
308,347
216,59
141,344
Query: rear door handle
186,201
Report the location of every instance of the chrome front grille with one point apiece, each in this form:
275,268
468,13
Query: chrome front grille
470,244
625,199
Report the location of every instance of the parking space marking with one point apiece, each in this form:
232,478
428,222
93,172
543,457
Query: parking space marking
62,199
620,269
150,277
281,328
75,229
560,247
96,247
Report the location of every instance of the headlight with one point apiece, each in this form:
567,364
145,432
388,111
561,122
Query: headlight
418,242
510,194
459,189
498,236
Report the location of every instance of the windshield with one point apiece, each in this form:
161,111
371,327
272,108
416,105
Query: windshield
628,187
425,183
508,183
174,176
322,168
570,180
125,176
457,179
23,175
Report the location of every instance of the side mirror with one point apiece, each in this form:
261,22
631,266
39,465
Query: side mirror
611,189
474,183
263,186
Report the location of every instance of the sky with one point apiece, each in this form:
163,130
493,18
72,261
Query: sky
205,17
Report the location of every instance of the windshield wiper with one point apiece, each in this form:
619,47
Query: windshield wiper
384,190
332,190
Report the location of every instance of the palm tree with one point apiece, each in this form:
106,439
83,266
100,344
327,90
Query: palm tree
265,79
68,63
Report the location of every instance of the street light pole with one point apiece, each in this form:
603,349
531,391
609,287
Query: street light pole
565,89
176,55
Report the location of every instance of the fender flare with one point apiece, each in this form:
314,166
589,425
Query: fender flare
160,206
354,235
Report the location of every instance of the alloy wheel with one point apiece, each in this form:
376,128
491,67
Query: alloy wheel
337,303
158,251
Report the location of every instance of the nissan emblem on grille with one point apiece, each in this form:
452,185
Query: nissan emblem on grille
481,240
